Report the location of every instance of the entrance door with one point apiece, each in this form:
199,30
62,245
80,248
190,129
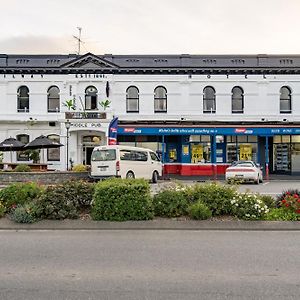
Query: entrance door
88,154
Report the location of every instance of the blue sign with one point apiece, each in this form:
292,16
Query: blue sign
263,131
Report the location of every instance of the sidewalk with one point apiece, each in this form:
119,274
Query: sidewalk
157,224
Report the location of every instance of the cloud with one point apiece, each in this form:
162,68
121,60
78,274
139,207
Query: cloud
31,44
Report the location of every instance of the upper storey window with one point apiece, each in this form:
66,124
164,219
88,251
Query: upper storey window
53,99
209,100
91,98
132,99
237,101
285,100
23,99
160,99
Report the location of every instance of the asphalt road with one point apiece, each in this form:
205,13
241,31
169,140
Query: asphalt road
272,188
149,265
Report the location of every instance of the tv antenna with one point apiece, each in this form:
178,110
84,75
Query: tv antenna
78,39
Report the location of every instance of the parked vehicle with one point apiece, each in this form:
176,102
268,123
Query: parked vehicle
244,171
125,162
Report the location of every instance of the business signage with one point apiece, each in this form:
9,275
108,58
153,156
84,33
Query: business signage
263,131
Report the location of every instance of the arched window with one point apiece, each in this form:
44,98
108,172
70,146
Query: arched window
285,100
21,155
237,100
53,154
23,99
160,99
132,99
91,98
209,100
53,99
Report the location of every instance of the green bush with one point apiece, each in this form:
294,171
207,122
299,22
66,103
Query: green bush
199,211
22,168
216,196
2,210
26,213
122,200
79,168
282,214
268,200
248,206
65,200
170,203
19,193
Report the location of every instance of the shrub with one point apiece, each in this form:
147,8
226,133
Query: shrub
170,203
216,196
26,213
65,200
122,200
19,193
282,214
291,202
2,210
79,168
199,211
268,200
286,193
22,168
248,206
55,204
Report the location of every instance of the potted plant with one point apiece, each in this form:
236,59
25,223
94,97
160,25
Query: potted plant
70,104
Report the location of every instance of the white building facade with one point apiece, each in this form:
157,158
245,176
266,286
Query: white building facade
199,113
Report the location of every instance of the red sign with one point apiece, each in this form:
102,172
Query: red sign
240,130
129,129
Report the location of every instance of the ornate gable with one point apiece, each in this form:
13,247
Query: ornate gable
89,61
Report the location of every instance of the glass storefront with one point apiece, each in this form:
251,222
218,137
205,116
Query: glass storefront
242,147
200,149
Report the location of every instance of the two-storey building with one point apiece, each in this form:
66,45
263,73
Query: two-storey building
199,112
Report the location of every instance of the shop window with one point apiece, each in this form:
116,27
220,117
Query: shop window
277,139
22,155
53,99
242,138
132,99
160,99
285,100
200,152
91,98
53,154
209,100
286,138
237,100
23,99
296,138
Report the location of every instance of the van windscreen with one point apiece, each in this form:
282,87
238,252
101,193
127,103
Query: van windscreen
104,155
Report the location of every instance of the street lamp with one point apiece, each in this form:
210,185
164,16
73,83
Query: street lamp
68,125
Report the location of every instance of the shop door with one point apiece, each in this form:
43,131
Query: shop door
282,158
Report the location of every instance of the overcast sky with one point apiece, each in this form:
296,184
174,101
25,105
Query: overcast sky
151,26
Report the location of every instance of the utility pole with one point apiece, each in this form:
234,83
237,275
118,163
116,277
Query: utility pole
78,39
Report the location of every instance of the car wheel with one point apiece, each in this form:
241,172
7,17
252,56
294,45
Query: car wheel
261,180
257,180
154,177
130,175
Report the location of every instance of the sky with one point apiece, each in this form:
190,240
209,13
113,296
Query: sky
151,26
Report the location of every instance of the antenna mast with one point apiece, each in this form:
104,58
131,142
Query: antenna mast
78,38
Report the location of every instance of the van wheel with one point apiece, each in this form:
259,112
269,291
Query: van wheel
154,177
130,175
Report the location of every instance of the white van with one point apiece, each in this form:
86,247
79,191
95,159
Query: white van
125,162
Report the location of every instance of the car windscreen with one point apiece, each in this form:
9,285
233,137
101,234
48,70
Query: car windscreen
104,155
246,165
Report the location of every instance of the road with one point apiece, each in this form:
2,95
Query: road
272,188
149,265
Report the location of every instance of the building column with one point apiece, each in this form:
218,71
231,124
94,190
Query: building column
267,157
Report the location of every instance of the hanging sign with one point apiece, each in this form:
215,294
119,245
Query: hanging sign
245,152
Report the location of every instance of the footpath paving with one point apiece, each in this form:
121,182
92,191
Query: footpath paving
157,224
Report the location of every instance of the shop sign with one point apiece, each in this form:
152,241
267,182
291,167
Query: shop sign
185,150
197,154
245,152
85,125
